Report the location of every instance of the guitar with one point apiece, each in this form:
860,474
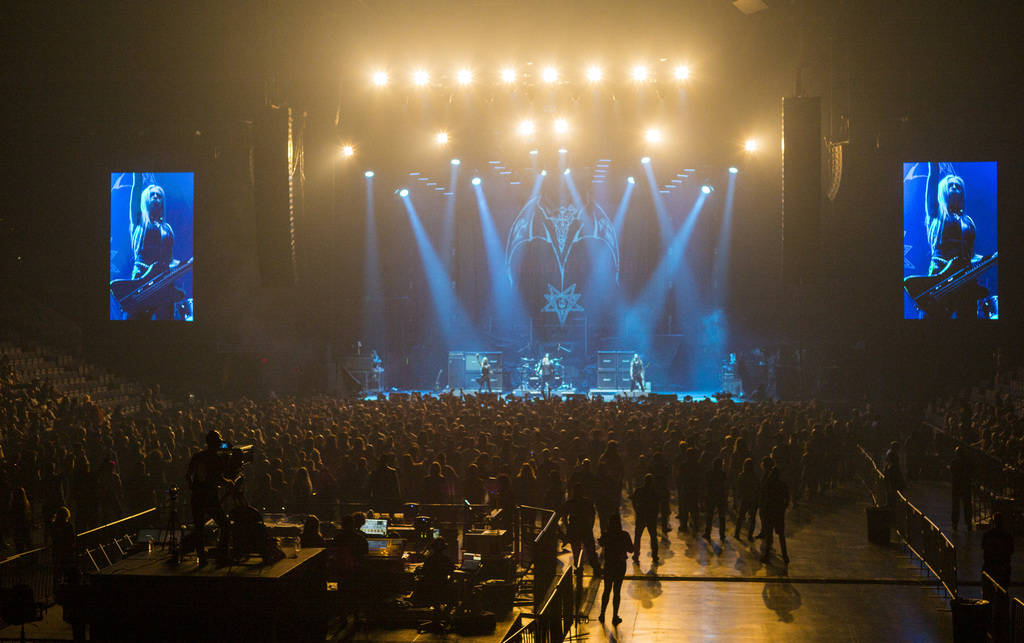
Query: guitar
152,290
932,293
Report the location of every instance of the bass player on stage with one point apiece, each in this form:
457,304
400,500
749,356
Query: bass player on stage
636,374
485,373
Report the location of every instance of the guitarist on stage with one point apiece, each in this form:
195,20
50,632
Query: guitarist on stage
152,239
951,234
485,373
636,374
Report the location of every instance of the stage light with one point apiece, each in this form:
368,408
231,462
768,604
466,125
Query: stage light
594,74
734,170
456,162
347,151
527,128
533,152
549,75
750,145
567,172
380,78
682,72
543,172
561,126
368,174
653,135
639,74
630,180
441,138
464,76
420,77
476,180
706,189
403,193
562,150
508,75
645,160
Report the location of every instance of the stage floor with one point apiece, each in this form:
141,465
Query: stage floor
607,395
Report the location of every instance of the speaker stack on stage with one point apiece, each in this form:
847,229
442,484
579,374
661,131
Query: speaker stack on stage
464,370
613,370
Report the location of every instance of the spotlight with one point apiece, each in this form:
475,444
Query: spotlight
594,74
682,72
476,180
368,174
527,128
380,78
464,76
420,77
441,138
508,75
549,75
639,73
567,172
750,145
347,150
533,152
706,189
630,180
562,150
561,126
543,172
734,170
456,162
645,160
403,193
653,135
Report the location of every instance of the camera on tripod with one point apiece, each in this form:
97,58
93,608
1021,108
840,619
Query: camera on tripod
236,458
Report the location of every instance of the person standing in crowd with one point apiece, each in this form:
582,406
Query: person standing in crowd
960,476
747,493
578,513
688,484
776,500
893,475
645,508
714,499
384,489
615,546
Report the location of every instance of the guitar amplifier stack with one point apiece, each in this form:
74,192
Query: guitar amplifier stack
361,367
464,371
613,369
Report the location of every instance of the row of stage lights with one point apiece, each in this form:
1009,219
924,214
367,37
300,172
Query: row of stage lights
548,75
476,181
528,128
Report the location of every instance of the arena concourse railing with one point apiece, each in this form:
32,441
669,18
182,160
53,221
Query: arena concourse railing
922,537
99,548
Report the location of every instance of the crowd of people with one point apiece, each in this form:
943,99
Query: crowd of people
318,455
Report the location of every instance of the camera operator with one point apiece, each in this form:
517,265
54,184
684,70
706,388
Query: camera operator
206,474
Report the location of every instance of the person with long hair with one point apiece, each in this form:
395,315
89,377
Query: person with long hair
615,547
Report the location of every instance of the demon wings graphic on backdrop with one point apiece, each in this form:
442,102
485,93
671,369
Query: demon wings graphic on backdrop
561,228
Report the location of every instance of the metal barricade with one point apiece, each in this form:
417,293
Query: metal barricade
1016,620
999,599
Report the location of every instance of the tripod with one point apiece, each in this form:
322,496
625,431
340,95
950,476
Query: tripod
169,535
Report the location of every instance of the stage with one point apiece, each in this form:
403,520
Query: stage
148,597
606,395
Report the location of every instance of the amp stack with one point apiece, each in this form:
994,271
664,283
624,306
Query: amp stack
613,369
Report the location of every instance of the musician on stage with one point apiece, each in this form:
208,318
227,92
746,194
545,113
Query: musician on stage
547,373
636,374
206,475
152,238
951,233
485,373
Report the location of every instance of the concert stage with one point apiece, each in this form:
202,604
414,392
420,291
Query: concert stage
148,597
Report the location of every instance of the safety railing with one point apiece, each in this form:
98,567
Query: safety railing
922,537
928,544
101,546
1016,620
999,599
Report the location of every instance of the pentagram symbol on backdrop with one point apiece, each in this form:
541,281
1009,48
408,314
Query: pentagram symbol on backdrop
554,248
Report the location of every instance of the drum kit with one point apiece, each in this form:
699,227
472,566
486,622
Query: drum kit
529,371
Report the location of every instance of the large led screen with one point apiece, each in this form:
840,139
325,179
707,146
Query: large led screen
950,241
151,228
